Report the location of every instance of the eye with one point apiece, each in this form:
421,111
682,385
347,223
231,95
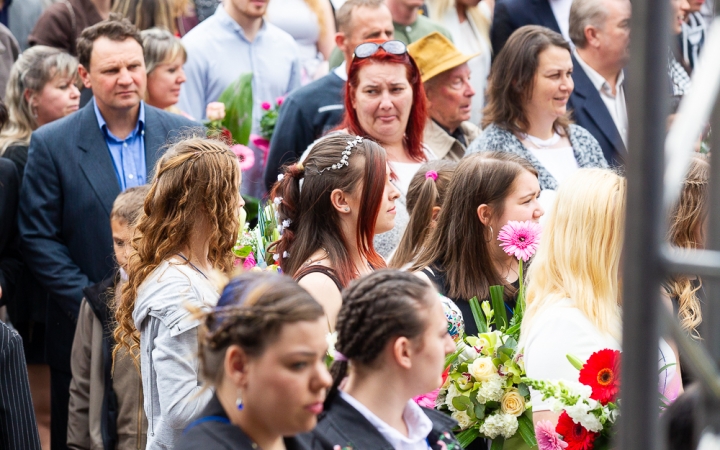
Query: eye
298,365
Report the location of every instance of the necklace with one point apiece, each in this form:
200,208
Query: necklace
540,143
193,265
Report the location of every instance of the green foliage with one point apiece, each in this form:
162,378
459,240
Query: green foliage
478,316
498,304
238,100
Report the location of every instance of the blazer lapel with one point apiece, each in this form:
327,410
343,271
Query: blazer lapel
95,160
594,105
155,137
545,15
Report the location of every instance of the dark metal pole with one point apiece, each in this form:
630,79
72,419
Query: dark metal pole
647,107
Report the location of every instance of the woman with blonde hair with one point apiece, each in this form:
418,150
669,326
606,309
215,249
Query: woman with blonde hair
187,232
164,59
573,293
146,14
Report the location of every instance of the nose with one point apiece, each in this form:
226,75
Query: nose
241,202
74,91
394,193
125,78
449,344
386,101
323,380
469,90
181,76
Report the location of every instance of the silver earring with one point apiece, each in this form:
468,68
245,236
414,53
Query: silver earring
492,233
239,402
347,209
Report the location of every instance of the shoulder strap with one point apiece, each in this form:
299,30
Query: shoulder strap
202,420
318,268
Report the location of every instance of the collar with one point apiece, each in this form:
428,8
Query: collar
139,127
225,19
419,425
458,134
600,83
341,71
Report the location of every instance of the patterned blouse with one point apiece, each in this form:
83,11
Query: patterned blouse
586,148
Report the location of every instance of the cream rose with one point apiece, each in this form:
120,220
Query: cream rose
215,111
482,369
464,421
512,403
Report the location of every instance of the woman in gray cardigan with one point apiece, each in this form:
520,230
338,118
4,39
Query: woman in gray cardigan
526,114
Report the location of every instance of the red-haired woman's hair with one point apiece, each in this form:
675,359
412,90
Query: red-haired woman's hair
313,221
418,112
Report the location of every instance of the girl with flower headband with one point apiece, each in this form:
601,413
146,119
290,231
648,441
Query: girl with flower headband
262,350
188,229
333,205
424,201
462,254
392,340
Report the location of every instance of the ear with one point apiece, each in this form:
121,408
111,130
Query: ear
340,41
84,76
402,352
28,96
339,200
483,212
236,365
591,36
435,214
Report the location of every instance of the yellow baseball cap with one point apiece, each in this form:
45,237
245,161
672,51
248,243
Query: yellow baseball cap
434,54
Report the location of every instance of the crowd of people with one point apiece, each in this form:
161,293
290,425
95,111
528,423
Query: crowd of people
409,134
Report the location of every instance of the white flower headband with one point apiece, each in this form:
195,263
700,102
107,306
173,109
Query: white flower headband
345,154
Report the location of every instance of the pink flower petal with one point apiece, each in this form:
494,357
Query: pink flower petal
427,400
520,239
245,155
547,437
249,262
266,106
279,101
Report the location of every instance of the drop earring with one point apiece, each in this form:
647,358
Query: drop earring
239,402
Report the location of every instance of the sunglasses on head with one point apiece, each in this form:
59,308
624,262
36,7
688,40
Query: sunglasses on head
368,49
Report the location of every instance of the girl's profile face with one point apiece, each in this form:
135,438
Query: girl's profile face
287,384
523,202
386,216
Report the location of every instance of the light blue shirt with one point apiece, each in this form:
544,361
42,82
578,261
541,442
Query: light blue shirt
128,155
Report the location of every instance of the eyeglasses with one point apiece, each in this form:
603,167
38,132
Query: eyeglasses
368,49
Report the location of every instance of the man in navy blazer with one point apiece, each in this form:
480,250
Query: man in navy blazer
600,30
509,15
76,167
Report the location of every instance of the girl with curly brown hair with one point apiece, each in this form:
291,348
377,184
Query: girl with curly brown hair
189,226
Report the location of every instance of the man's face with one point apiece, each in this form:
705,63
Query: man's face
450,96
253,9
367,23
614,37
116,74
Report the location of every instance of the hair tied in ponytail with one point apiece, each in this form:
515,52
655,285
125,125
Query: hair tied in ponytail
431,174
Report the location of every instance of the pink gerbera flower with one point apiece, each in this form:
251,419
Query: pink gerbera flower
249,262
547,437
427,400
245,155
520,239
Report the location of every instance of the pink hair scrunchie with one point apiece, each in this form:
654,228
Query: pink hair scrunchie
431,174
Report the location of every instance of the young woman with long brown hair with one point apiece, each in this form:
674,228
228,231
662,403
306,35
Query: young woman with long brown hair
189,226
462,255
331,206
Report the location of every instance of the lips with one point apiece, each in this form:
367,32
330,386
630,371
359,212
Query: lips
315,408
391,210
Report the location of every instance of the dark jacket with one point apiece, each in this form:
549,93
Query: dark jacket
62,22
344,426
64,217
510,15
306,114
213,431
10,264
590,112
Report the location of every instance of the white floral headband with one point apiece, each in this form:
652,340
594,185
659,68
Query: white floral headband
345,154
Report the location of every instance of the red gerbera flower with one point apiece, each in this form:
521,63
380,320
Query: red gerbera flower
602,373
576,436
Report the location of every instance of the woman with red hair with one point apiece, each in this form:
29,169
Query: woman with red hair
385,101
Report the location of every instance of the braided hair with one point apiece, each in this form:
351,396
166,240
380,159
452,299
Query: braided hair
251,312
377,308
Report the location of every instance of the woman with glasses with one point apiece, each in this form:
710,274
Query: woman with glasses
385,101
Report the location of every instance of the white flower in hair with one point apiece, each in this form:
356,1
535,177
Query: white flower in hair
280,177
345,154
277,200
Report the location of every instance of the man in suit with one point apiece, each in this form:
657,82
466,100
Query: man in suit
76,167
600,30
509,15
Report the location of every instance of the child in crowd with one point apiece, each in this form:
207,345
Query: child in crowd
106,402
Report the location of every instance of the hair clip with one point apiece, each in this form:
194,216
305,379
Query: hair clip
299,166
431,174
345,154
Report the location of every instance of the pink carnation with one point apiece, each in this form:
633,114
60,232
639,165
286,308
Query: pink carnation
427,400
266,106
249,262
245,155
520,239
279,101
547,437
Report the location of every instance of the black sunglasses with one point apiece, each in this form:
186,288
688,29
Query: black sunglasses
368,49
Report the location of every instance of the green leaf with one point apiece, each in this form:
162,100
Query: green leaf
252,205
480,411
498,304
243,252
523,390
466,437
461,403
238,100
665,367
526,429
492,405
497,443
575,362
478,315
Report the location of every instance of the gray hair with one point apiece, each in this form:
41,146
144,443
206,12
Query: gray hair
343,17
160,46
584,13
34,68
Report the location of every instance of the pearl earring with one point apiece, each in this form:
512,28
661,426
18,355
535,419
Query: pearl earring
347,209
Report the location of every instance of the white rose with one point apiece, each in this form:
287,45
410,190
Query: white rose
512,403
462,418
215,111
482,369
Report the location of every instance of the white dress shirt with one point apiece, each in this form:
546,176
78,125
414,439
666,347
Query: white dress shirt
615,103
561,11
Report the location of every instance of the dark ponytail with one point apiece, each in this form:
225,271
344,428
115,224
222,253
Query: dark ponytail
426,191
381,306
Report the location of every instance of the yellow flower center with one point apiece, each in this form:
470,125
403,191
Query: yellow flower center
605,377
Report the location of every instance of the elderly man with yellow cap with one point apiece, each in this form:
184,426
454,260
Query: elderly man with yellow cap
446,77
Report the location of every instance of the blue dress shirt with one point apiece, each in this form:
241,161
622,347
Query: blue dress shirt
128,155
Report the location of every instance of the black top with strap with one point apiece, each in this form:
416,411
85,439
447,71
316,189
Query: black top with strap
318,268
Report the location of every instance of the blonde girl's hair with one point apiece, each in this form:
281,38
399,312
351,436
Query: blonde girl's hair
579,253
438,9
686,231
146,14
197,179
423,195
35,67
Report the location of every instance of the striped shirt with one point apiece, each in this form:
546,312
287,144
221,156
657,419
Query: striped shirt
18,429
